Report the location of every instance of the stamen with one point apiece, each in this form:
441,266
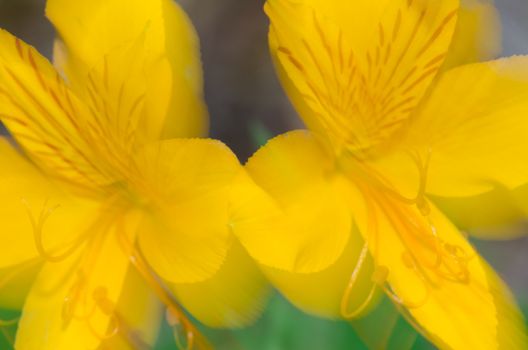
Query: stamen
423,170
437,243
179,332
193,335
72,300
458,252
38,226
78,291
114,330
412,222
107,307
419,199
345,301
442,258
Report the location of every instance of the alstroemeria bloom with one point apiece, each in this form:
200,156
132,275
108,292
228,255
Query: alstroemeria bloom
342,210
100,195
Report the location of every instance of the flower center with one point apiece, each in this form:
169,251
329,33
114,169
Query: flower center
426,253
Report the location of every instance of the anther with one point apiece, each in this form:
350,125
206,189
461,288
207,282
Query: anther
380,275
172,320
423,206
100,296
99,293
183,337
72,299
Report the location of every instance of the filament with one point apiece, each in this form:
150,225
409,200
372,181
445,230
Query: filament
374,177
107,307
38,225
345,301
177,329
193,335
77,293
445,254
112,333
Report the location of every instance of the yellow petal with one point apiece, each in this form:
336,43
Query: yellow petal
45,117
91,29
28,199
115,92
474,127
186,235
73,302
486,215
455,299
356,70
478,34
233,297
284,218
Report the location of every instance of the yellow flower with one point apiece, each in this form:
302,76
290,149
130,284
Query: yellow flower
116,211
343,210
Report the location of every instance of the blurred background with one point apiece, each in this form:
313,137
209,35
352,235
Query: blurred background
247,106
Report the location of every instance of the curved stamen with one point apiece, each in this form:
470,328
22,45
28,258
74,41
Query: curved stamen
110,334
77,294
345,300
194,337
423,170
107,307
374,177
38,225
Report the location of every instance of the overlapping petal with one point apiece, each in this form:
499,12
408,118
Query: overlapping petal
478,34
186,237
295,217
89,30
